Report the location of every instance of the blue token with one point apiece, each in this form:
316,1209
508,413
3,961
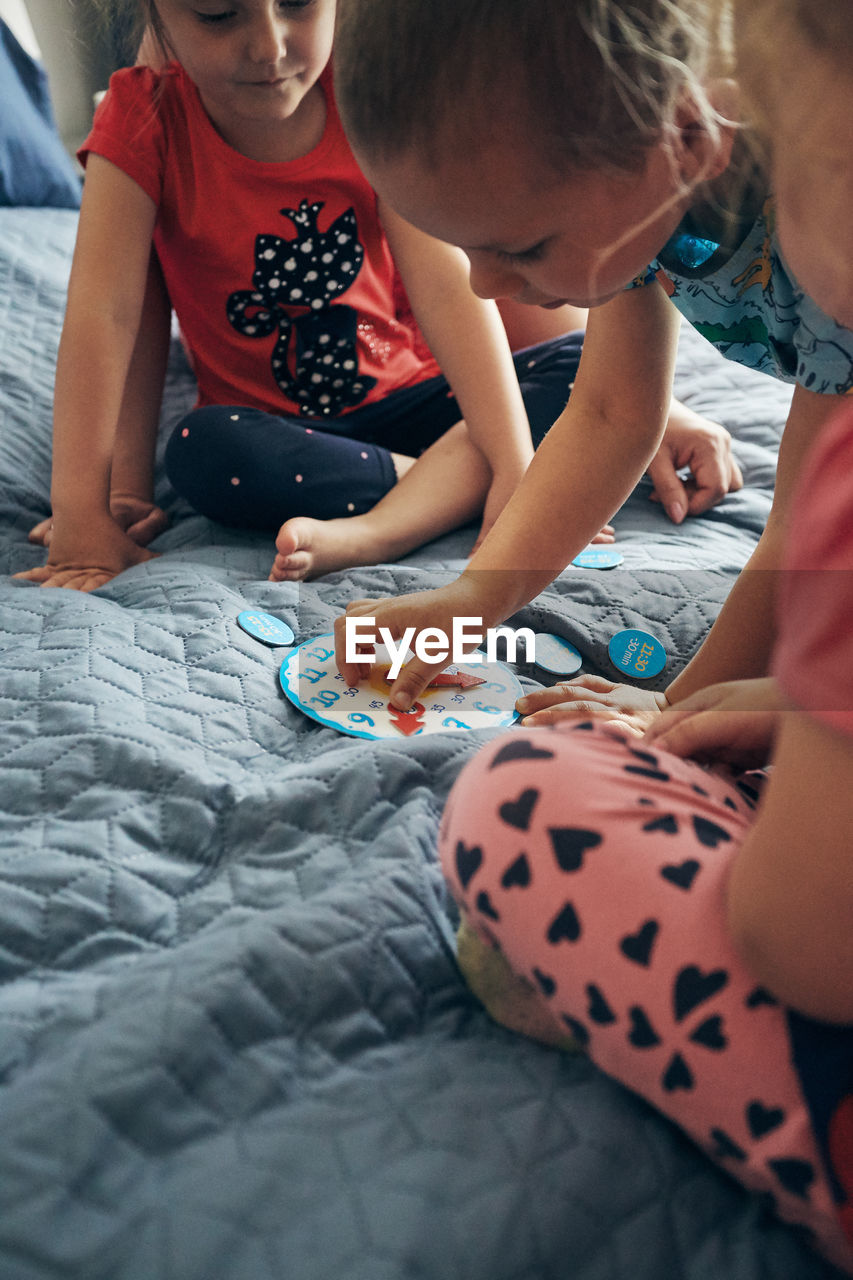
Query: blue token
598,558
556,655
264,627
637,655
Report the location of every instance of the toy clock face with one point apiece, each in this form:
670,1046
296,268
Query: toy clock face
482,696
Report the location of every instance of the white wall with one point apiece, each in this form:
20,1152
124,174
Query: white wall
14,14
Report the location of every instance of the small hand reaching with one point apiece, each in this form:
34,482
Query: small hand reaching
590,697
140,519
704,447
85,561
734,722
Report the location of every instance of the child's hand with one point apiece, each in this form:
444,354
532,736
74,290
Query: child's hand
734,722
85,561
706,449
141,520
422,610
591,697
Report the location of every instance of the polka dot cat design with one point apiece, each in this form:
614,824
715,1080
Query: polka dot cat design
321,375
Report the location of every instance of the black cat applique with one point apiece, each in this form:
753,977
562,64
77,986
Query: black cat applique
321,376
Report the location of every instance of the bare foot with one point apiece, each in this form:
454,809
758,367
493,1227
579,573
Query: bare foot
307,548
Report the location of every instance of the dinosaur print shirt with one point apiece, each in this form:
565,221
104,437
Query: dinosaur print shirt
752,309
280,275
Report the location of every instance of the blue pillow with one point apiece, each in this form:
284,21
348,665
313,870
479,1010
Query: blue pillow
35,168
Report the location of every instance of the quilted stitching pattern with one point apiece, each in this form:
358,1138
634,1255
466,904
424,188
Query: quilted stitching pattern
233,1041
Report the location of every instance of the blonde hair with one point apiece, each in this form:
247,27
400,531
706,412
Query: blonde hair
598,80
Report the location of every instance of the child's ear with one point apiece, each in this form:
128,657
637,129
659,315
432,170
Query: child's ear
704,152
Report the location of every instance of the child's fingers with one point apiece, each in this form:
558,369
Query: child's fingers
411,682
149,527
40,533
358,667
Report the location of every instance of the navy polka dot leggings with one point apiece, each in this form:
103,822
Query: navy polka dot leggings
251,469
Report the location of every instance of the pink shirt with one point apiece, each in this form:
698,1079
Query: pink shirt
813,661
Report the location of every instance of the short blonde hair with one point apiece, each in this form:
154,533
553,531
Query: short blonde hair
597,80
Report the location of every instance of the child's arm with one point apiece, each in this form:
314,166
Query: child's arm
132,475
739,643
790,900
467,338
105,301
584,469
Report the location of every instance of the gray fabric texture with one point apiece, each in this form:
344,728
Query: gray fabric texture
233,1039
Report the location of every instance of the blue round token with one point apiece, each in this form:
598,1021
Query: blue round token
264,627
598,558
636,654
556,655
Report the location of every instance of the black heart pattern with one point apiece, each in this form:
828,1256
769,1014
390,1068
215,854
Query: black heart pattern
655,774
598,1009
666,823
570,844
547,985
517,813
520,749
468,862
708,833
565,927
725,1148
795,1176
750,794
577,1029
517,874
763,1120
642,1034
692,987
485,907
682,874
638,946
759,997
710,1034
677,1075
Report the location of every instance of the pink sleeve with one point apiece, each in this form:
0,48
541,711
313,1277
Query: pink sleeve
128,129
813,661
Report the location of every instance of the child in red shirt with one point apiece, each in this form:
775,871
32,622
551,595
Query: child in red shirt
317,392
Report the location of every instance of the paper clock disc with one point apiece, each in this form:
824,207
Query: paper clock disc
311,681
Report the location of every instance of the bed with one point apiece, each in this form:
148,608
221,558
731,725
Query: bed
234,1042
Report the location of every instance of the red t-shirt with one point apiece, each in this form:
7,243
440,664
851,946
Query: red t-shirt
813,660
280,274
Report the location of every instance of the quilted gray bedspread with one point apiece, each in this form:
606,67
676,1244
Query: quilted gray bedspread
234,1044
